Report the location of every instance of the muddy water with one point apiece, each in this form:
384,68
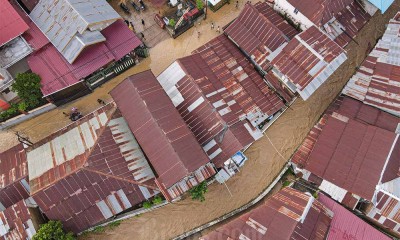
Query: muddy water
264,164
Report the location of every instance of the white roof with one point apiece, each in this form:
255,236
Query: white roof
68,23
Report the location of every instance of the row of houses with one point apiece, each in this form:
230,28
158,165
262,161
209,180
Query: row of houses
352,153
292,214
73,46
162,134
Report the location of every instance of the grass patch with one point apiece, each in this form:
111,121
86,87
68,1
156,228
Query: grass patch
99,229
114,224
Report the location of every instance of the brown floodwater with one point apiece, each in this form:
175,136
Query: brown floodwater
264,161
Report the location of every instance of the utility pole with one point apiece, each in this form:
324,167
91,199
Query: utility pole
23,140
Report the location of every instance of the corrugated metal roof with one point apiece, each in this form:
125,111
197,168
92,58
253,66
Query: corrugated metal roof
257,35
288,214
349,146
377,80
351,19
320,11
96,159
11,24
308,60
168,143
16,222
346,225
220,96
13,51
57,73
120,39
13,165
73,25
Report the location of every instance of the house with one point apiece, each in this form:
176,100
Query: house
352,154
341,20
222,98
260,33
302,62
19,221
89,171
376,81
291,214
17,208
13,49
72,53
175,155
307,61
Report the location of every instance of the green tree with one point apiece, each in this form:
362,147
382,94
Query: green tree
171,22
147,204
157,200
27,87
198,191
200,4
52,231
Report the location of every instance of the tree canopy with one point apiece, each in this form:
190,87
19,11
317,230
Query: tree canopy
27,87
52,231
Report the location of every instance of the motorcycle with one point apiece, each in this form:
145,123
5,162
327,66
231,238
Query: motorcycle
135,6
124,8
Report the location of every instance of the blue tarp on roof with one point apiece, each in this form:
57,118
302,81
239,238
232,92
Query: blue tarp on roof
382,5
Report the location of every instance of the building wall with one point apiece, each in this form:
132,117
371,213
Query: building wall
283,7
369,7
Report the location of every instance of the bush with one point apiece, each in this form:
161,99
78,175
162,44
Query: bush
157,200
172,22
51,231
198,191
9,113
27,87
147,205
200,4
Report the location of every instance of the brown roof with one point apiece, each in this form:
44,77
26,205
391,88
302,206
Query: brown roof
13,165
16,221
377,80
320,11
352,19
163,135
113,172
284,215
307,57
259,31
13,171
349,146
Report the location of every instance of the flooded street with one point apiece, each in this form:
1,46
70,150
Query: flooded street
264,163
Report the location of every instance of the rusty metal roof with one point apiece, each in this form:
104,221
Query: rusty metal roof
13,165
349,146
351,18
16,222
288,214
101,172
320,11
308,60
346,225
260,32
377,80
170,146
221,97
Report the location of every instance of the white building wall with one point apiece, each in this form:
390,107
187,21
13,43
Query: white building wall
283,7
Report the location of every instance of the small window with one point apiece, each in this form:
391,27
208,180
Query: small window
296,11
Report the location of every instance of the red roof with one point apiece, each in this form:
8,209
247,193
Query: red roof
257,35
120,39
52,68
349,146
320,11
57,73
163,135
306,56
11,24
346,225
17,218
13,170
280,217
35,38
